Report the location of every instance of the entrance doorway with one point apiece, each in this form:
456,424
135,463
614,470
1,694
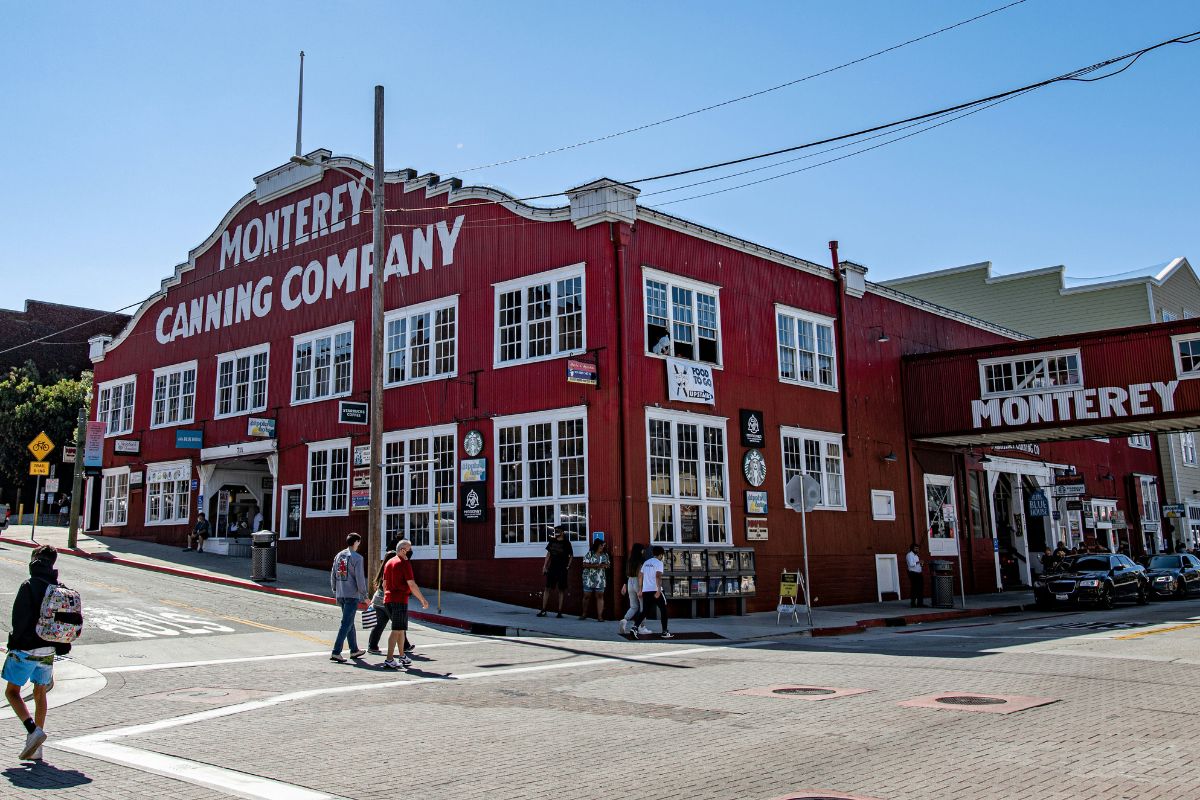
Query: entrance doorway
234,493
1009,517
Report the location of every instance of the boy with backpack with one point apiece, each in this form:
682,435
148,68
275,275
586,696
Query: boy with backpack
46,618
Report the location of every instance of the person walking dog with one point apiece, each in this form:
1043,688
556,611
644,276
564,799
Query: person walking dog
348,581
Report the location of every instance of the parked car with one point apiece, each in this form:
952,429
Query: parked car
1175,575
1095,578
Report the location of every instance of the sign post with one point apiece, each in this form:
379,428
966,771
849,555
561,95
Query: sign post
76,478
802,494
40,447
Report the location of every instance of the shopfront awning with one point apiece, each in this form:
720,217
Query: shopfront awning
239,450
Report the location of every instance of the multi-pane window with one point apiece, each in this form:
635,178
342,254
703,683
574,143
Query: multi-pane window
168,493
805,348
174,399
329,478
542,476
114,497
1187,356
418,483
1187,444
242,381
682,318
321,364
1141,441
818,455
421,342
540,317
114,405
1028,374
688,485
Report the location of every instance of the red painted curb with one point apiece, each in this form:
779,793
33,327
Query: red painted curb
107,558
914,619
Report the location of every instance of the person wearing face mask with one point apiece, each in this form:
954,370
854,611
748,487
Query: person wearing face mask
555,567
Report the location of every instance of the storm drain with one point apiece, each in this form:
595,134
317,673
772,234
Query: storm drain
804,691
970,700
985,703
823,795
801,692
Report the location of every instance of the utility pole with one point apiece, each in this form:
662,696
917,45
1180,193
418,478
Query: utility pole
300,104
77,479
375,524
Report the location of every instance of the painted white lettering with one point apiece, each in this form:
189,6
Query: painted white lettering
448,237
244,293
1085,403
1112,401
287,298
1041,408
286,214
160,332
340,273
271,232
336,223
262,296
302,220
985,411
422,249
357,188
320,208
310,284
1139,399
212,312
1063,402
227,304
397,260
1166,393
196,316
1015,411
366,263
180,326
252,240
231,247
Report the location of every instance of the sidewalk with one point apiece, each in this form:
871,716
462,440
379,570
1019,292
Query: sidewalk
478,615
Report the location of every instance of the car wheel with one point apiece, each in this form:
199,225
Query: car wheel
1181,593
1106,601
1143,595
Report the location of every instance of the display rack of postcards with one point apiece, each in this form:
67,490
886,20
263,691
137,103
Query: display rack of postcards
711,574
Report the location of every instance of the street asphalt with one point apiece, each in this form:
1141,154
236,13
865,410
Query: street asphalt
216,692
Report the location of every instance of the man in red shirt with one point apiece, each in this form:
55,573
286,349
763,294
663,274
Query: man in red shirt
398,585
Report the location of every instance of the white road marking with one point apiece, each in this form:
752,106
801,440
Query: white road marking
240,784
215,661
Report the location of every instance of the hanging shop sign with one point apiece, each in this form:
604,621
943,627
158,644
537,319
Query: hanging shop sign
473,503
1074,505
756,529
753,429
1032,449
582,372
1174,511
1039,505
352,413
261,427
1068,486
756,502
93,444
172,472
360,499
189,440
68,454
362,455
360,479
135,479
472,470
127,447
690,382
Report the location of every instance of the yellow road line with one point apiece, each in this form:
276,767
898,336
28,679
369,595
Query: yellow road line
251,623
1140,634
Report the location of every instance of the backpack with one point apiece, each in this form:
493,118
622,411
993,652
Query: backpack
61,617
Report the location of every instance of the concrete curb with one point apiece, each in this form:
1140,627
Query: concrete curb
916,619
107,558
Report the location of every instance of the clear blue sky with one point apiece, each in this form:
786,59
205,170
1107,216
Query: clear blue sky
131,128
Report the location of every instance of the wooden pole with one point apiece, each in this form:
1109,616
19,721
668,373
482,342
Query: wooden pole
375,524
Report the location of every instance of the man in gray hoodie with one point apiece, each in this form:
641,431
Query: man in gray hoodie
348,582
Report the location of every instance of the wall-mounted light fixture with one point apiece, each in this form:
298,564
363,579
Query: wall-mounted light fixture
1107,476
891,456
882,337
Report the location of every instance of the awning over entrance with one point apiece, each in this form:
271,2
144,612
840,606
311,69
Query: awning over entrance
1104,383
227,452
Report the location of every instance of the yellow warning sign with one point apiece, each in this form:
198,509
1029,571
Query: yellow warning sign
41,447
39,468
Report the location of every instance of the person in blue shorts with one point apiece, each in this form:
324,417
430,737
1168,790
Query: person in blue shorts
30,658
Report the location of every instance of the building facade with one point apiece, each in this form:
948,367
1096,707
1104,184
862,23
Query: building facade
600,365
1045,302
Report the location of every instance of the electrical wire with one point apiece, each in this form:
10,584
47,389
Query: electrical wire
731,101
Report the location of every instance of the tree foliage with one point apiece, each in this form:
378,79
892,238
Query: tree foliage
28,406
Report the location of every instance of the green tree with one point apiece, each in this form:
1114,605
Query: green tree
29,406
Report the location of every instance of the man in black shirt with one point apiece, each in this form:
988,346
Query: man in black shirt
558,561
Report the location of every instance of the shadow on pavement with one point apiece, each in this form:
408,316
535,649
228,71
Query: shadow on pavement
44,776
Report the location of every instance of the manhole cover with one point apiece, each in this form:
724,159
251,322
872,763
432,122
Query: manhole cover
970,700
805,691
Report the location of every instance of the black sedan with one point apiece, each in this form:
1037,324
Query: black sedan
1100,579
1173,575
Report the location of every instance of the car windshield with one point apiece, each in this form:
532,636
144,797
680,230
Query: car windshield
1089,563
1164,562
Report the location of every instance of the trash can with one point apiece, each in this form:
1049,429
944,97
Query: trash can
943,584
263,556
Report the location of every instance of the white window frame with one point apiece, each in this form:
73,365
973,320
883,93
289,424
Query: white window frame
816,320
449,501
675,500
530,548
310,337
1187,449
1176,342
104,409
1140,441
328,446
695,287
883,504
234,356
984,363
282,509
121,519
523,284
825,439
164,374
1104,520
1168,316
186,494
407,313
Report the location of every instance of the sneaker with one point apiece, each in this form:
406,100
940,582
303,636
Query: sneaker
405,662
390,664
187,549
644,631
33,743
338,657
409,647
667,635
541,613
375,651
358,653
621,627
633,632
37,754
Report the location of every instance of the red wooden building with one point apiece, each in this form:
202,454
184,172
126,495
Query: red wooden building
600,364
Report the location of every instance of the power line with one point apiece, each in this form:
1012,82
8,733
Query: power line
733,100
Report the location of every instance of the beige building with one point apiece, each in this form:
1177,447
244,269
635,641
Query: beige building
1046,302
